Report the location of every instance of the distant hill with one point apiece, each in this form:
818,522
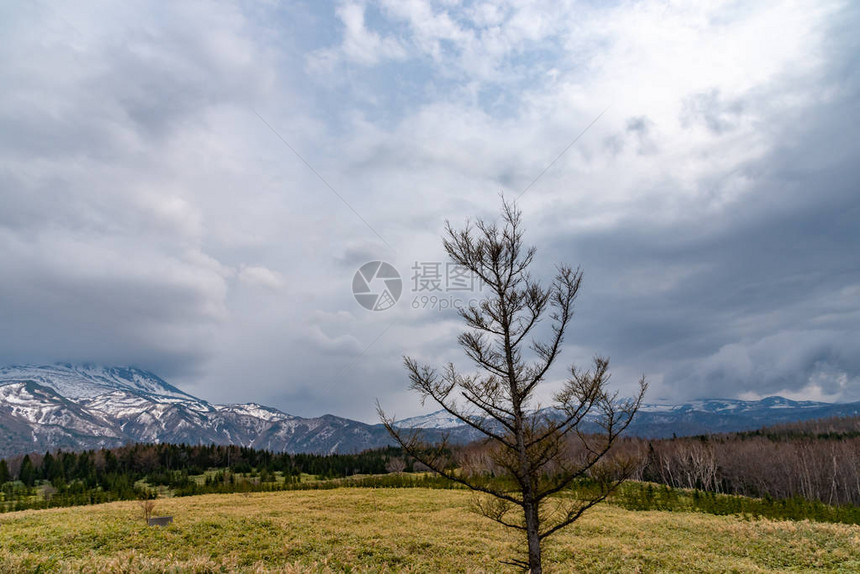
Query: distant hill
704,416
79,407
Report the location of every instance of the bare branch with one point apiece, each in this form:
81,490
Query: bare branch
534,454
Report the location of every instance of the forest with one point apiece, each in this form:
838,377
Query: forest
809,462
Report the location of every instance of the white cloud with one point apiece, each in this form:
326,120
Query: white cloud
257,275
360,45
142,194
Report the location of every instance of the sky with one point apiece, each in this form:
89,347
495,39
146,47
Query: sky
190,188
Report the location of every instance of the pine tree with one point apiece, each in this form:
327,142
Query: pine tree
27,474
541,455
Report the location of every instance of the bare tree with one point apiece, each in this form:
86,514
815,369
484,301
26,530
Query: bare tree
147,504
395,465
542,453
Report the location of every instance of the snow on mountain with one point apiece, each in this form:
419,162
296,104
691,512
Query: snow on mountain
436,420
257,411
88,406
88,381
735,406
692,418
44,407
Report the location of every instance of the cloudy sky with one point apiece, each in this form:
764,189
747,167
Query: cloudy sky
190,188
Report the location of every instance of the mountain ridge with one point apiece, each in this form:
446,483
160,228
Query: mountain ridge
78,407
653,413
86,406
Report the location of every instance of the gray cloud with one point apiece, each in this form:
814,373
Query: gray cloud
148,216
759,298
710,109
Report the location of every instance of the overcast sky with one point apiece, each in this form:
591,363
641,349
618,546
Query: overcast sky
190,188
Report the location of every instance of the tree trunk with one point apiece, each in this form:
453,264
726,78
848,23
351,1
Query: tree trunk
532,525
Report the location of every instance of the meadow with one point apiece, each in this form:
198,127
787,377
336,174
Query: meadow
401,530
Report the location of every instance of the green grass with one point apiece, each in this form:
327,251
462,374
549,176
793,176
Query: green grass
401,530
648,496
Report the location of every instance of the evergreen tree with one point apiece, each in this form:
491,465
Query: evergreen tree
27,474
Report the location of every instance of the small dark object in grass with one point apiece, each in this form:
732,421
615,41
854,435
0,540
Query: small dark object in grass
160,521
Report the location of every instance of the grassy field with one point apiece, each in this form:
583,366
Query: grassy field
400,530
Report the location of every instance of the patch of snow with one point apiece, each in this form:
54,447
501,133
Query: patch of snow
88,381
437,420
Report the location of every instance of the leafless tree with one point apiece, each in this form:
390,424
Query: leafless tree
530,445
48,492
395,464
147,504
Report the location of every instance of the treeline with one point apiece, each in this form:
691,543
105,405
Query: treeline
648,496
140,460
136,471
817,461
829,428
785,466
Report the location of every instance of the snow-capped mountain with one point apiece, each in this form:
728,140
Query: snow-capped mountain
733,406
90,381
730,415
85,406
693,418
437,420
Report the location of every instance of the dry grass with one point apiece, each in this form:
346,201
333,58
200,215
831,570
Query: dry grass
400,530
